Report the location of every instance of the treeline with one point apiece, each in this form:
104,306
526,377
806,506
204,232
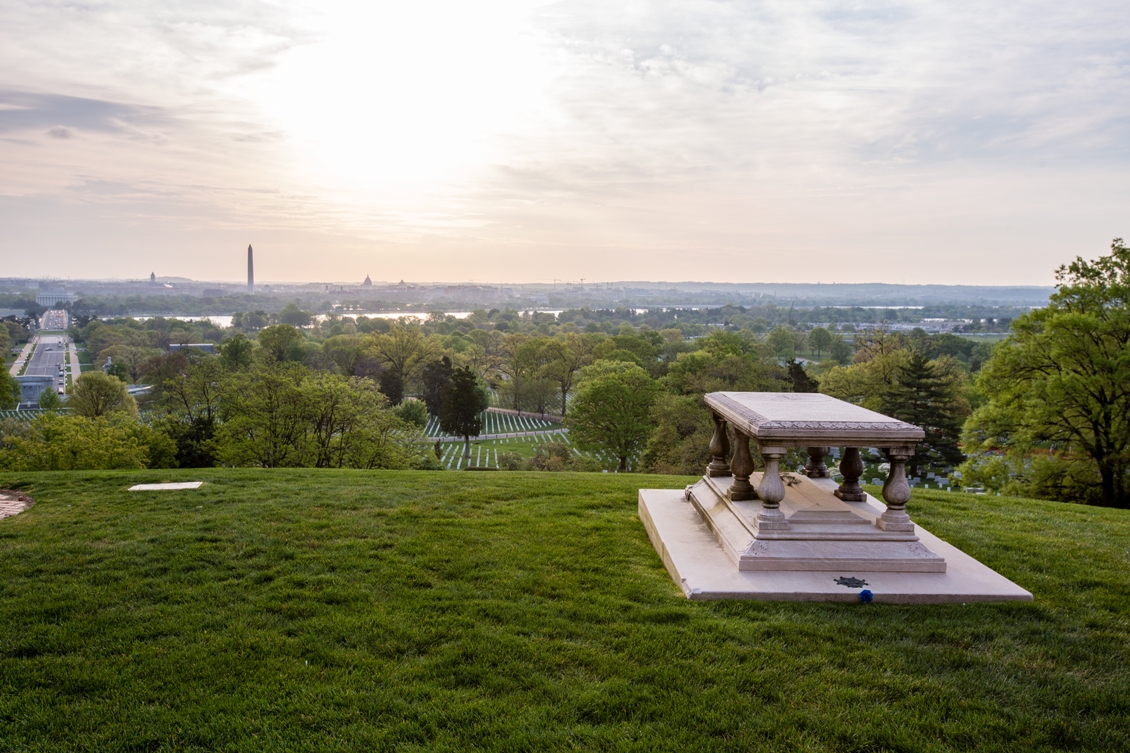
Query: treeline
209,410
335,393
1046,414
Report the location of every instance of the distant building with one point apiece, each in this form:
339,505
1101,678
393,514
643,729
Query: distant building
250,270
205,347
368,283
212,293
152,278
31,387
54,298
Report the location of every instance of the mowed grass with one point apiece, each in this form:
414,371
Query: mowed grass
340,611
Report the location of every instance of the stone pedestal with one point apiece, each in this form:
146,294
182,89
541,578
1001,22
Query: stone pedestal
808,528
701,570
771,522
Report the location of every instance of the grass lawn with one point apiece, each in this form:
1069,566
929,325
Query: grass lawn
341,611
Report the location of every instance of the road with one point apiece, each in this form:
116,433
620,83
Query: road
54,319
49,359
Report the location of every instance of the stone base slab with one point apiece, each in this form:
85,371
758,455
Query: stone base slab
814,531
698,564
172,486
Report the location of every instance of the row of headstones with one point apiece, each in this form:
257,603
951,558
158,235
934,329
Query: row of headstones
452,457
497,423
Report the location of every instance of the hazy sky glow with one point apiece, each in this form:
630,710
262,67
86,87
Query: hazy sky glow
955,142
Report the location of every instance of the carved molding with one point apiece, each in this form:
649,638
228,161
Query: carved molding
755,549
758,421
893,430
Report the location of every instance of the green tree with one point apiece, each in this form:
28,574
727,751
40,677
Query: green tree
128,361
49,400
265,418
282,342
345,351
680,442
294,316
412,413
9,391
518,360
391,386
565,357
55,442
867,383
1061,381
702,371
839,350
95,394
236,352
434,378
925,395
462,404
186,405
402,352
611,409
118,370
631,347
819,339
783,343
350,424
284,415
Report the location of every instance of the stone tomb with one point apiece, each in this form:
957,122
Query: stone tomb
800,536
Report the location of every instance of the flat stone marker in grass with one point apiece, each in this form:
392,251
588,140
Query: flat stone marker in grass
166,487
13,503
803,537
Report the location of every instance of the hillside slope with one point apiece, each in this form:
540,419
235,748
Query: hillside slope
326,610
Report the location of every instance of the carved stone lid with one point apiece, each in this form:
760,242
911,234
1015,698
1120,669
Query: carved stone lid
805,419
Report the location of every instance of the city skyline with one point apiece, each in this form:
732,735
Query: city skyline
522,142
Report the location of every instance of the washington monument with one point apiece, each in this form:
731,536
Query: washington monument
250,270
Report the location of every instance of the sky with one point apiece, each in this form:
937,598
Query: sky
516,141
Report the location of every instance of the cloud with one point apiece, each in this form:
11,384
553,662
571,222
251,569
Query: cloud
60,114
860,138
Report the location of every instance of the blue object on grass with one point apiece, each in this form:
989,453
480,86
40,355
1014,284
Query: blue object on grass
866,596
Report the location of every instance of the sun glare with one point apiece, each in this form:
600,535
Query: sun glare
405,93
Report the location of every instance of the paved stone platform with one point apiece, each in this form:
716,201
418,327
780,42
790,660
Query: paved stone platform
697,562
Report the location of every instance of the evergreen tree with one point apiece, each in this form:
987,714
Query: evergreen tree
435,376
391,386
49,400
462,402
802,382
924,395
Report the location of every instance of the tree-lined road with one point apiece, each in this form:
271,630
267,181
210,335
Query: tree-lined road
55,319
49,359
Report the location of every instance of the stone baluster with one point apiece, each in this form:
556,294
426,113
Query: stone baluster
719,449
816,467
896,493
741,467
851,466
771,491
